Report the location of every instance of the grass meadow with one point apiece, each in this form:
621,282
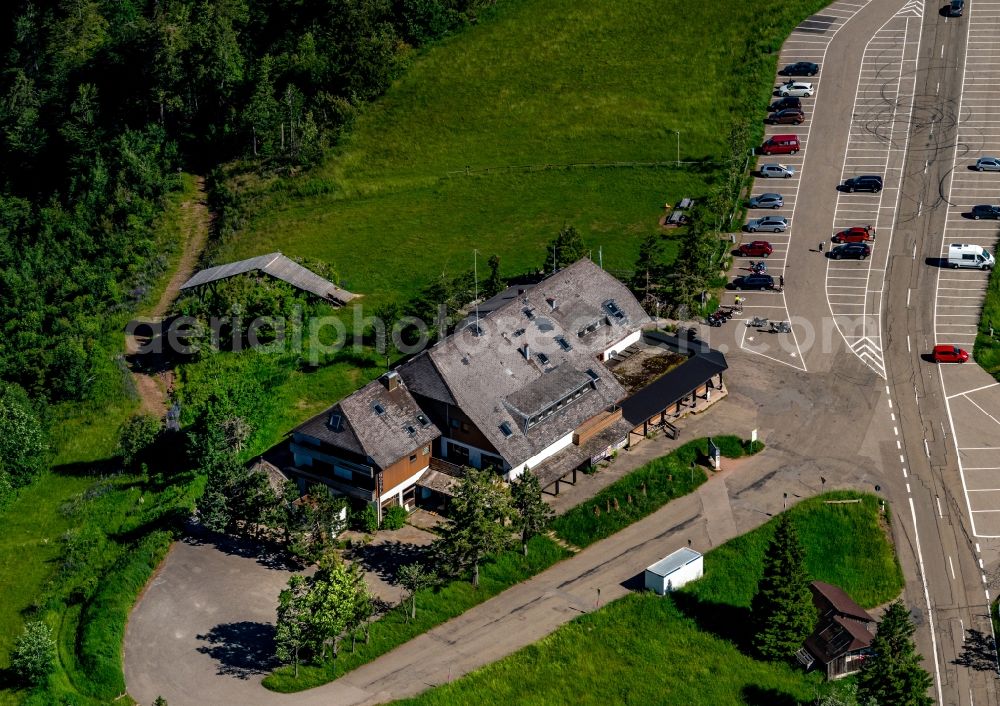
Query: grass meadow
691,647
534,83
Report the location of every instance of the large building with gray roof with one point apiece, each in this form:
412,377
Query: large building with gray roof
516,387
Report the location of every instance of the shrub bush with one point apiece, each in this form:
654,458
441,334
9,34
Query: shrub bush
394,518
34,653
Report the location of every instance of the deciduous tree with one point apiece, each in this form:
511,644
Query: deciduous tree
565,249
34,653
782,610
293,632
22,441
414,577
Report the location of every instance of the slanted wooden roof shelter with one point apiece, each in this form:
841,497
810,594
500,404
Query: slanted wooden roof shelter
280,267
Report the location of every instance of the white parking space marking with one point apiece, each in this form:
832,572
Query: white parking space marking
883,104
960,292
807,42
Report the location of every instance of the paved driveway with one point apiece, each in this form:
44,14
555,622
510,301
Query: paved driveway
205,621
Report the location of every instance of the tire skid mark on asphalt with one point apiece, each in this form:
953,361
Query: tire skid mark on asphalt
799,46
884,98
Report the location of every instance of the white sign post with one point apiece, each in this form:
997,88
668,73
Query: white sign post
715,456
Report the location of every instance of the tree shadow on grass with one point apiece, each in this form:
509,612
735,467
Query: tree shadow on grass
726,621
978,652
754,695
242,649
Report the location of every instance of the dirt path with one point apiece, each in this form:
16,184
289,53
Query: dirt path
154,388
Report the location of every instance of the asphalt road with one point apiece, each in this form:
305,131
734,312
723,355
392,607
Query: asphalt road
891,102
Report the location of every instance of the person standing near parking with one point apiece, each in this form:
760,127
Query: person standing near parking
821,244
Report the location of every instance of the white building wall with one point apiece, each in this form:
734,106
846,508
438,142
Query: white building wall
622,344
551,450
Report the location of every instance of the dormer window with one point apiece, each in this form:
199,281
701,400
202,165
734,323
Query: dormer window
423,420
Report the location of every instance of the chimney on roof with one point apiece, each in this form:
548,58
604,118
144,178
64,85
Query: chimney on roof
391,380
552,303
526,351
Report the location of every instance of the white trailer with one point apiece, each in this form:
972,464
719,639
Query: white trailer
966,255
674,571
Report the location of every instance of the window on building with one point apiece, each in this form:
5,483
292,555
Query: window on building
335,422
344,473
413,457
427,450
465,427
423,420
411,430
378,409
455,424
543,359
506,430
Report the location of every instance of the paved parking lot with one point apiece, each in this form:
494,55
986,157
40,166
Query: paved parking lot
877,142
973,396
807,42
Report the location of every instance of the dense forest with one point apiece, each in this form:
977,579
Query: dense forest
102,102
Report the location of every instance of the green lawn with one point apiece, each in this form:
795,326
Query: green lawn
29,532
987,348
643,491
533,83
685,649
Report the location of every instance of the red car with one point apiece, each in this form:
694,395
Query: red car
758,248
949,354
857,234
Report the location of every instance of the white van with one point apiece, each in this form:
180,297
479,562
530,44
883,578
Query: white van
966,255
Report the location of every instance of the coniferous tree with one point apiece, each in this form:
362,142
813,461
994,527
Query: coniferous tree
531,513
892,674
495,284
782,610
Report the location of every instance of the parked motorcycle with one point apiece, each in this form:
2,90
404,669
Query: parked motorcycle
781,327
757,322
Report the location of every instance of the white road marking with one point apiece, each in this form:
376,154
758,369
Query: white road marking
927,600
940,514
952,567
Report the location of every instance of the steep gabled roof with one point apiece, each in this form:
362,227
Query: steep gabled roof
376,423
827,596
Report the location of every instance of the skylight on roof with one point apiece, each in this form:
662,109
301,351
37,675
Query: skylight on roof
563,343
611,306
543,359
506,430
378,408
335,422
411,430
529,312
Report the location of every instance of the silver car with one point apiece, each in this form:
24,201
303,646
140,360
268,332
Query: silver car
774,224
776,171
767,201
988,164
